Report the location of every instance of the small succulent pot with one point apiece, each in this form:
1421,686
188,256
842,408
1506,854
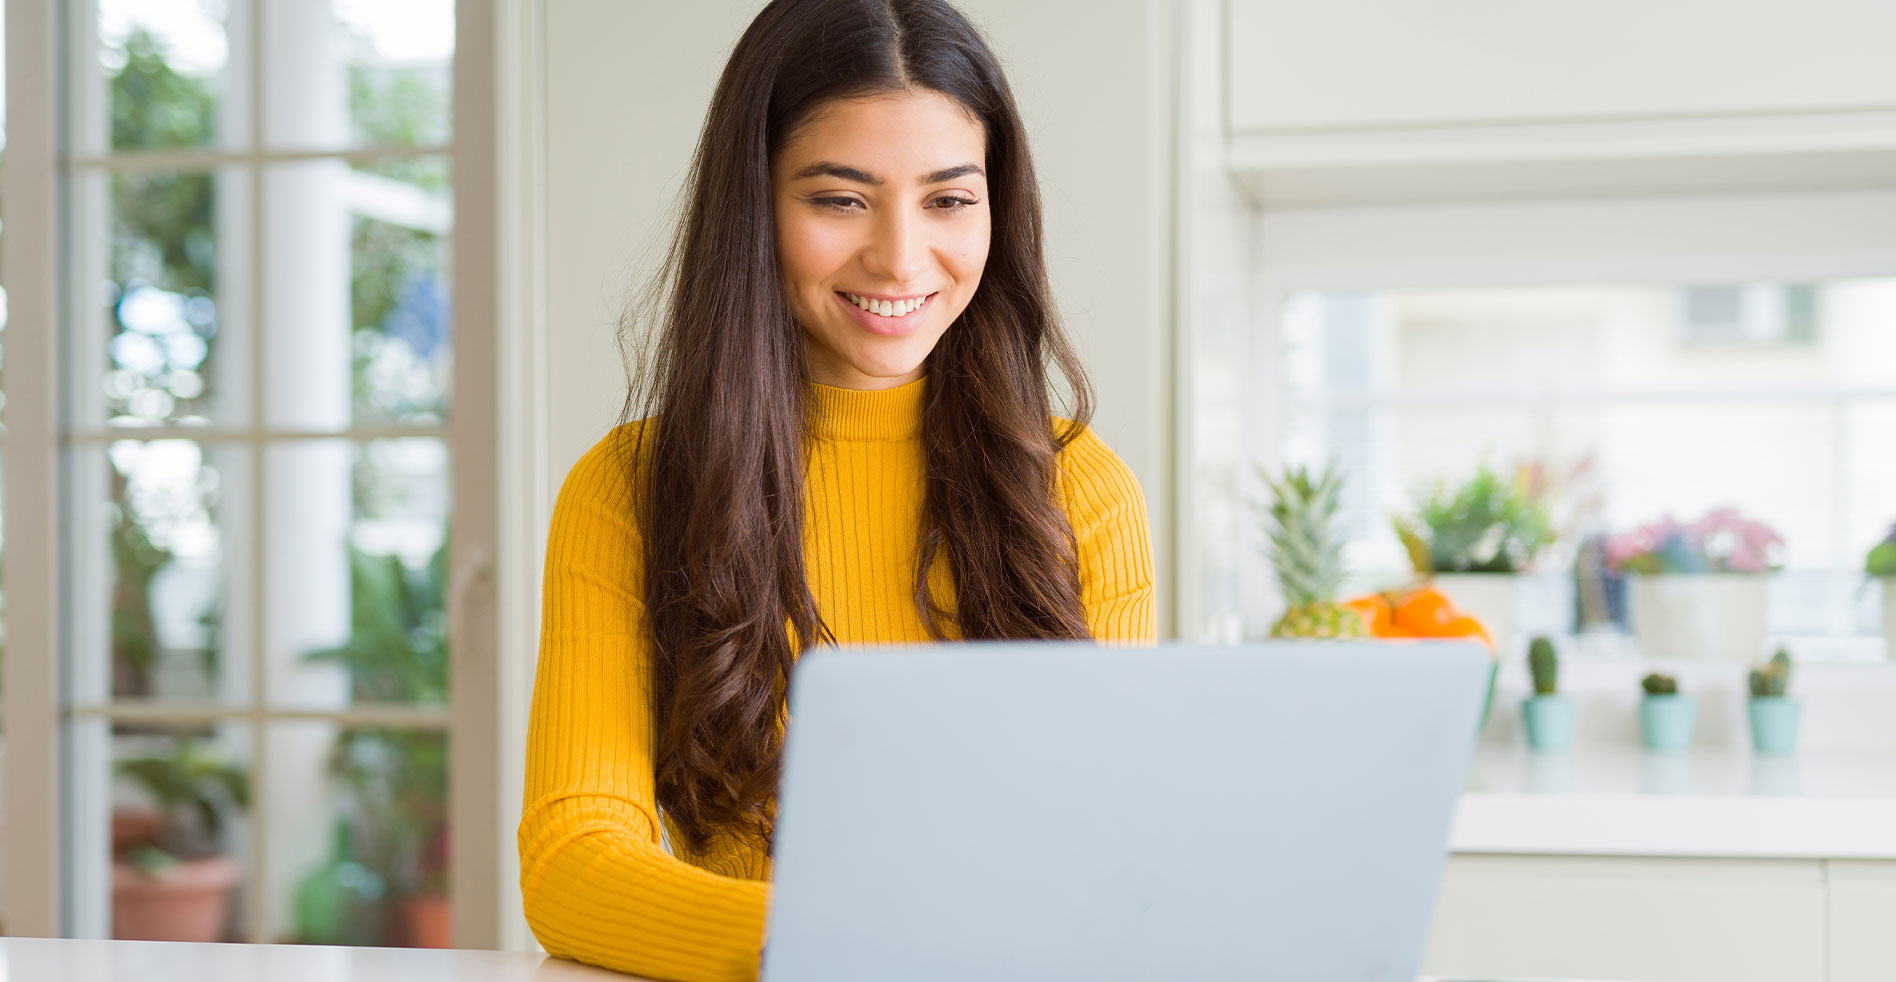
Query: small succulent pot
1665,723
1774,722
1549,723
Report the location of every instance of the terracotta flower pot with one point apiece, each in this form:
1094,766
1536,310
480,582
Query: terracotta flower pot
132,828
429,920
188,902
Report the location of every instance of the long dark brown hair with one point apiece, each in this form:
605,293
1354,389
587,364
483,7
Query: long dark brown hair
720,470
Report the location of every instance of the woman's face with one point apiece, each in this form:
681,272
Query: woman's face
880,202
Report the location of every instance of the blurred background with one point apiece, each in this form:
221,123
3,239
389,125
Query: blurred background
1625,272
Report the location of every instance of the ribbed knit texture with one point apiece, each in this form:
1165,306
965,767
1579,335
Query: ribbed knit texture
599,879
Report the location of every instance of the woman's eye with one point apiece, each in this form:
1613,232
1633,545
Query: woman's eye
946,202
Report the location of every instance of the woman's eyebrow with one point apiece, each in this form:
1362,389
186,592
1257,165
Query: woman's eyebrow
825,168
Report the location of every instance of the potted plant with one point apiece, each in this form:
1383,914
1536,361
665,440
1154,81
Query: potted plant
392,783
1549,714
1774,715
1472,540
1665,716
1881,566
1697,590
174,883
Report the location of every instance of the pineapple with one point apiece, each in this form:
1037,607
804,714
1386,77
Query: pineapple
1308,555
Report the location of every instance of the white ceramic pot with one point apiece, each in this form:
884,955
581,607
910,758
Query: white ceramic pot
1889,616
1491,598
1699,615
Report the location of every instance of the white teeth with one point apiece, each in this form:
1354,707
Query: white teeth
886,308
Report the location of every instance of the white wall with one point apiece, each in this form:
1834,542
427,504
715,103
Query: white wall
1426,63
626,89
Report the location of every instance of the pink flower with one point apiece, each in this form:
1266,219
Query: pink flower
1723,541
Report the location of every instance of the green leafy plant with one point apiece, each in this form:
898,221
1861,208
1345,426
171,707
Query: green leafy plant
1882,558
1544,664
397,650
1659,685
1772,680
1490,524
191,789
138,561
394,782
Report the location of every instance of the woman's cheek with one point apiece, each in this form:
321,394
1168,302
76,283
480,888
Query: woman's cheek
806,248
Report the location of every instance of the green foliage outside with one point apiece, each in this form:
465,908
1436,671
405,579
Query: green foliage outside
163,236
392,783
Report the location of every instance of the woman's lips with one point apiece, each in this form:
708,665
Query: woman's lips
887,326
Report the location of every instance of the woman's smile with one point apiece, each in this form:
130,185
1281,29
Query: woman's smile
890,318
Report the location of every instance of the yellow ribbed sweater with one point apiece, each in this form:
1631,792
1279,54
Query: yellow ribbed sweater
600,882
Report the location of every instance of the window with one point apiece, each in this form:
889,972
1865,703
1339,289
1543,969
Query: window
257,468
1662,355
1630,403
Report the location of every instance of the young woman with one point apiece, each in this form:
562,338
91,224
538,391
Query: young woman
847,440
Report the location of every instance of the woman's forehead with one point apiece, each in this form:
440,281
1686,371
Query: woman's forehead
899,137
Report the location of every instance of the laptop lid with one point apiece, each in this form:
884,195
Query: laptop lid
1067,811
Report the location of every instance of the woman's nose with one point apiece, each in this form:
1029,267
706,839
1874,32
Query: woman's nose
897,250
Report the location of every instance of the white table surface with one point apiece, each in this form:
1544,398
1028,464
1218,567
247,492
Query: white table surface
38,960
1707,804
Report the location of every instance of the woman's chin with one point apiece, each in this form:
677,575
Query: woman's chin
883,376
882,369
875,363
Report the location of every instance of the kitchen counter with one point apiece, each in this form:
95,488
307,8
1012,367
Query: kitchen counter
1624,802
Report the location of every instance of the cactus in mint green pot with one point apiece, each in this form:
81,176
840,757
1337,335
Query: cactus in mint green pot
1549,715
1665,715
1774,714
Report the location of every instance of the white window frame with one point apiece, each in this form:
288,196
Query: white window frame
39,860
1798,235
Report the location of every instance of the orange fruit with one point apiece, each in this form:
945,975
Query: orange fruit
1426,613
1375,611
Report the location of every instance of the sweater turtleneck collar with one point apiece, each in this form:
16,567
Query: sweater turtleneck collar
869,414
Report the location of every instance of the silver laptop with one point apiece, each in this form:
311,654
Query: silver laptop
1067,811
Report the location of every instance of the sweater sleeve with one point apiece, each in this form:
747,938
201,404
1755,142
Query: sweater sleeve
598,885
1103,501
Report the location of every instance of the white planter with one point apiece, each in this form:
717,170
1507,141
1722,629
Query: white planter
1491,598
1889,617
1699,615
